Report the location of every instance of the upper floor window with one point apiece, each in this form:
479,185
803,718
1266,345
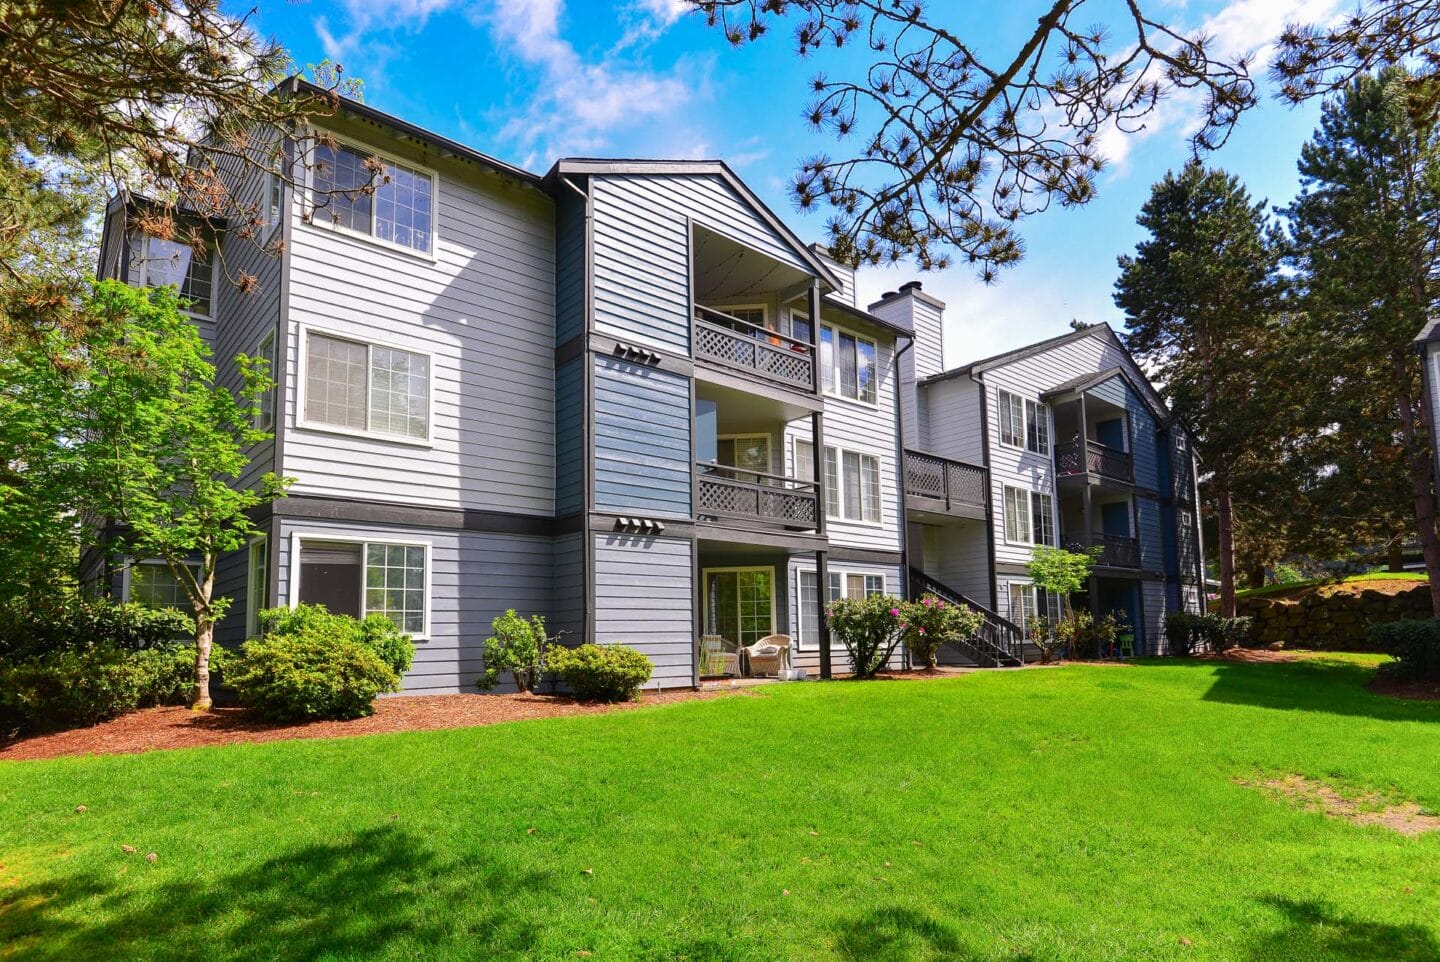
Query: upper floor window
852,484
274,202
847,364
265,416
156,262
366,387
1029,517
400,210
1024,423
800,327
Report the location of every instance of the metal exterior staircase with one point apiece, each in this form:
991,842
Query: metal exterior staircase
1000,642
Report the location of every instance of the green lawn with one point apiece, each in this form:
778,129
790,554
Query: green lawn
1080,813
1348,579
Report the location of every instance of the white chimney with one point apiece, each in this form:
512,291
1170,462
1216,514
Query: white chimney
846,293
912,309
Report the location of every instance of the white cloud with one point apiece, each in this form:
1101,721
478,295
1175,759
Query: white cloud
1243,28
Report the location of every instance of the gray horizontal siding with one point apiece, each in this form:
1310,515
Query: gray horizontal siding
644,598
474,577
484,308
569,267
641,265
567,606
570,437
642,439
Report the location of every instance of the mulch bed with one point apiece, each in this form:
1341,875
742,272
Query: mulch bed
158,728
1398,688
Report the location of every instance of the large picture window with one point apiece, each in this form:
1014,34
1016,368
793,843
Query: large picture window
852,485
1042,519
1018,529
1024,423
366,578
400,209
366,387
154,585
847,365
155,262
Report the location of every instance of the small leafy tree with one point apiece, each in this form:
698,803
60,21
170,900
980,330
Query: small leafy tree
869,628
160,446
931,622
1059,571
519,647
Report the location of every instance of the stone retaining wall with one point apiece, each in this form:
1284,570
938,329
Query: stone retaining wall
1331,618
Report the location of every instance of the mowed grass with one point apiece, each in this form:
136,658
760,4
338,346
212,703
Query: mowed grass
1077,813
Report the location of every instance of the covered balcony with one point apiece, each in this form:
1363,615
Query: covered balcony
944,487
1092,431
1107,522
751,324
747,475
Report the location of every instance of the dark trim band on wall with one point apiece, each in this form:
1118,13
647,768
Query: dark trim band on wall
840,555
310,507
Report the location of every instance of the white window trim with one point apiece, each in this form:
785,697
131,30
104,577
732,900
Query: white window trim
252,614
730,309
301,377
292,587
840,451
274,392
824,590
1024,445
274,227
318,218
836,330
1029,510
705,589
1054,519
1009,612
143,280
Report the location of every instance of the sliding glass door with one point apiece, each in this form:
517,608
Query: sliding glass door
740,603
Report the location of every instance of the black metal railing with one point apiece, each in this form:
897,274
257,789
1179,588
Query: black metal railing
753,349
1116,550
727,493
956,483
1077,457
999,642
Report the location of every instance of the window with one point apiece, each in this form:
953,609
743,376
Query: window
1027,603
1018,529
750,315
257,586
274,202
801,328
843,584
155,262
153,584
804,461
748,452
399,211
265,417
852,485
740,603
1042,517
1024,423
366,387
366,578
847,365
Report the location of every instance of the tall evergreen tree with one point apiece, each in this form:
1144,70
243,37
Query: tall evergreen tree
1199,295
1365,245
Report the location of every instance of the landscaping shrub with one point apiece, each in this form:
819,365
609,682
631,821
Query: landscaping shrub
76,624
1181,634
1047,636
1189,634
519,647
869,628
932,622
602,672
86,686
1415,646
310,664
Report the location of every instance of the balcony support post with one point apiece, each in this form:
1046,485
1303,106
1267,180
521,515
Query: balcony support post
822,600
814,307
822,558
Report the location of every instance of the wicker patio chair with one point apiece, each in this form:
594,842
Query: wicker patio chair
716,658
769,656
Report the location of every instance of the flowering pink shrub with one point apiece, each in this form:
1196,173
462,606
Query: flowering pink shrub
931,622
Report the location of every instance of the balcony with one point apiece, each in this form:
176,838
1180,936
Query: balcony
942,486
753,350
1079,458
753,498
1116,550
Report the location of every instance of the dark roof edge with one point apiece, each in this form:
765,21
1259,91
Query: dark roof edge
420,133
591,165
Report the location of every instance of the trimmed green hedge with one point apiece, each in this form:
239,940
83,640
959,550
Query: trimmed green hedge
602,672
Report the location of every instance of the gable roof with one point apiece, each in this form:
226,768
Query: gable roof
1083,383
693,168
407,129
1131,372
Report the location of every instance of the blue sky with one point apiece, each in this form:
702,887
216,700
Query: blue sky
532,80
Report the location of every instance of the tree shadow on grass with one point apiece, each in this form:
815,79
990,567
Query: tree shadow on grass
358,898
1336,688
897,934
1312,932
